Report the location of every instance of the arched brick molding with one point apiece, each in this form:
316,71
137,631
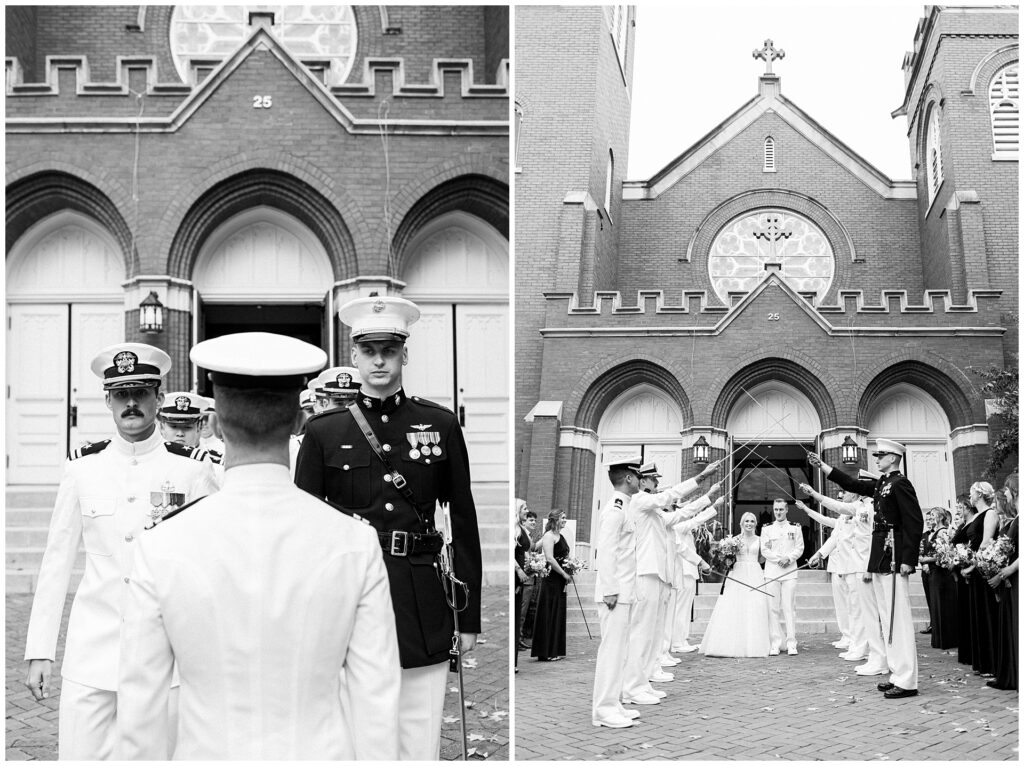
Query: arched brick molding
609,383
839,238
479,195
262,187
950,396
765,370
35,197
986,68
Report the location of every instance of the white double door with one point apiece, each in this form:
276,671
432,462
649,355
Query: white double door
928,467
54,402
458,357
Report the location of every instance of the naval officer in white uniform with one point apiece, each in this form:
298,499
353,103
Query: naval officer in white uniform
782,543
262,594
108,493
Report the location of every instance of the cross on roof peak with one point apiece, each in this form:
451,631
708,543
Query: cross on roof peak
768,53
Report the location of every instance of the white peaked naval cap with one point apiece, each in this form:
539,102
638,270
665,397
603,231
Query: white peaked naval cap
379,318
630,461
888,445
130,365
258,360
181,406
650,470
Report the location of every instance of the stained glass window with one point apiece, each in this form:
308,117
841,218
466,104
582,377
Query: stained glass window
763,240
321,36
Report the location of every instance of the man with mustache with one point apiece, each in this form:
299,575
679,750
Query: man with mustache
110,491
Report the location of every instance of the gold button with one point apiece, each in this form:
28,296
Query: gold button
388,507
92,512
387,448
128,538
133,461
383,418
126,579
427,461
345,467
387,477
131,498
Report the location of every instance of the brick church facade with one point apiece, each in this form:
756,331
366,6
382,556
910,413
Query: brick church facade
252,170
769,291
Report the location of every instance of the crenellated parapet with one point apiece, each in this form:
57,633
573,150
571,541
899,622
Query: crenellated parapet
892,312
450,93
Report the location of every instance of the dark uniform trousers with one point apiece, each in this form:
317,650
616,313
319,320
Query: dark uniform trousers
336,463
895,540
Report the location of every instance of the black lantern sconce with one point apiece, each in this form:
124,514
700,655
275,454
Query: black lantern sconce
849,451
701,451
151,314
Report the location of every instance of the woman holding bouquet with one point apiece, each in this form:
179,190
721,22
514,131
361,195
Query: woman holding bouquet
739,623
941,585
981,604
1005,583
549,630
522,546
970,528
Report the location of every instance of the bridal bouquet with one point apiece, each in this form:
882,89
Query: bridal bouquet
572,565
724,552
962,556
536,565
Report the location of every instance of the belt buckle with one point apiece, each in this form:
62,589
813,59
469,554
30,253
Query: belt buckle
397,479
399,543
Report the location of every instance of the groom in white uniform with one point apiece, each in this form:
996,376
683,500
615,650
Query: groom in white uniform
781,545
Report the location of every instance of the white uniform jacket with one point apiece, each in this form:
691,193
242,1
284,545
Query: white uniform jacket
616,551
781,540
651,533
686,549
103,500
856,542
837,547
264,596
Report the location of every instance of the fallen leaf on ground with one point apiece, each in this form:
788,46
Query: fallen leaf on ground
450,718
474,737
768,709
481,640
470,703
853,698
499,714
453,688
696,736
811,709
469,663
960,731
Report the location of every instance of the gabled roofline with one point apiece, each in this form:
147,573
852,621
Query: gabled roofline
739,121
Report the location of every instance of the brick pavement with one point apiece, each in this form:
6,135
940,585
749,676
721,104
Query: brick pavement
32,726
808,707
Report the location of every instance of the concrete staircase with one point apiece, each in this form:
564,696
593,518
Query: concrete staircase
815,612
28,511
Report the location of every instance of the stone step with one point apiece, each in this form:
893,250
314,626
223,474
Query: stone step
28,496
20,581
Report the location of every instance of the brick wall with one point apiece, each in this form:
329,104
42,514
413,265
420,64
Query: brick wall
20,37
496,46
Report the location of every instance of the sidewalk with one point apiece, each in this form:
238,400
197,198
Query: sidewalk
32,726
809,707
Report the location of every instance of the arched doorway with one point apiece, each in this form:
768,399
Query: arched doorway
262,270
642,420
457,272
912,417
770,429
64,303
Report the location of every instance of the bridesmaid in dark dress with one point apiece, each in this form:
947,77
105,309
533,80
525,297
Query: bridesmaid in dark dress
926,560
971,527
522,547
984,608
549,630
1006,584
943,589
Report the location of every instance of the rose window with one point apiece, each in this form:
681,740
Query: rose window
770,240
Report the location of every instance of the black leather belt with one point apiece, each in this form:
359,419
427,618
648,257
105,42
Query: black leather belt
398,542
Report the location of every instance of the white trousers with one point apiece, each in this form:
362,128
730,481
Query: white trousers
841,601
636,680
420,708
902,652
656,648
871,622
611,661
683,608
670,618
87,722
782,605
858,642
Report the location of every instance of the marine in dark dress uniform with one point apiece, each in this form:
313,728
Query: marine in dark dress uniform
424,444
895,543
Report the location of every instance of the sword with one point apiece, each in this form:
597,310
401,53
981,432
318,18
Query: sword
581,609
452,589
786,574
892,608
752,587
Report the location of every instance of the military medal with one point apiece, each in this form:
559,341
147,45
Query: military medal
413,439
163,501
436,451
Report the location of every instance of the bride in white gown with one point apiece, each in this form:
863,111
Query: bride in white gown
739,623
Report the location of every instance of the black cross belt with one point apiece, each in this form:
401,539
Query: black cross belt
398,542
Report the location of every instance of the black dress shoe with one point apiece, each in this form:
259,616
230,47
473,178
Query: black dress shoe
896,693
886,686
926,631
